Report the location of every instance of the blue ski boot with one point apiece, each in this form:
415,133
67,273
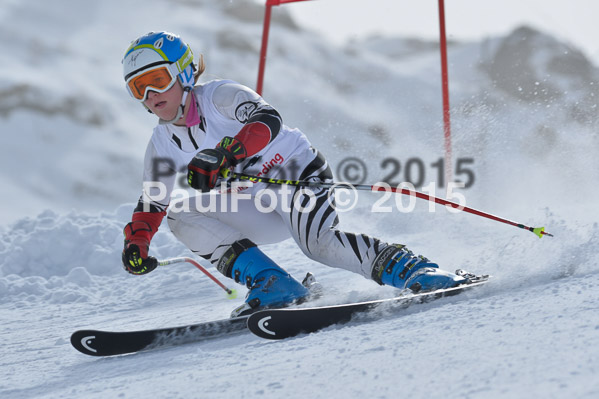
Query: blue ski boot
399,267
269,285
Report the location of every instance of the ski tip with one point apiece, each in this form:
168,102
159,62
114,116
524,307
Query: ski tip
232,294
83,341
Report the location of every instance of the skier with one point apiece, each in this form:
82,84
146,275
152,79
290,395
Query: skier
206,128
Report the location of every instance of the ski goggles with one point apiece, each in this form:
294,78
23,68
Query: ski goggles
159,79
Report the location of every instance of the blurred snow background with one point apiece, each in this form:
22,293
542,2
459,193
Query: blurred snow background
524,108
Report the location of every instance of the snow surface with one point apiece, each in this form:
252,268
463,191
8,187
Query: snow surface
72,145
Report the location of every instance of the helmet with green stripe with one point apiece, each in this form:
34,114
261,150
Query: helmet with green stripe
161,48
157,48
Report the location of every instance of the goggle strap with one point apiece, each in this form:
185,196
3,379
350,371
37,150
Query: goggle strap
173,69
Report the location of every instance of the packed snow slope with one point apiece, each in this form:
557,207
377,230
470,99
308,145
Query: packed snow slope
524,110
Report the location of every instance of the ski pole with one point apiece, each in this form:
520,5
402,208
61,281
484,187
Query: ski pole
538,231
231,294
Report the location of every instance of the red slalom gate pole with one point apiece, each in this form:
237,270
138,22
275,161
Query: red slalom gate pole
265,32
445,92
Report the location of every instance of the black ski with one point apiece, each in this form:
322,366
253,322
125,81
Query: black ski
107,343
285,323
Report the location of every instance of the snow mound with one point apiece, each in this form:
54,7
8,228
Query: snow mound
54,245
71,257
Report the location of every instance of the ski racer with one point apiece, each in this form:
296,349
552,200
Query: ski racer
206,128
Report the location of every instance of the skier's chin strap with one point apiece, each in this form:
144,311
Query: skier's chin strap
180,110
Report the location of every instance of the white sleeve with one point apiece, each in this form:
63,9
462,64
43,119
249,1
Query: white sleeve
228,97
159,179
